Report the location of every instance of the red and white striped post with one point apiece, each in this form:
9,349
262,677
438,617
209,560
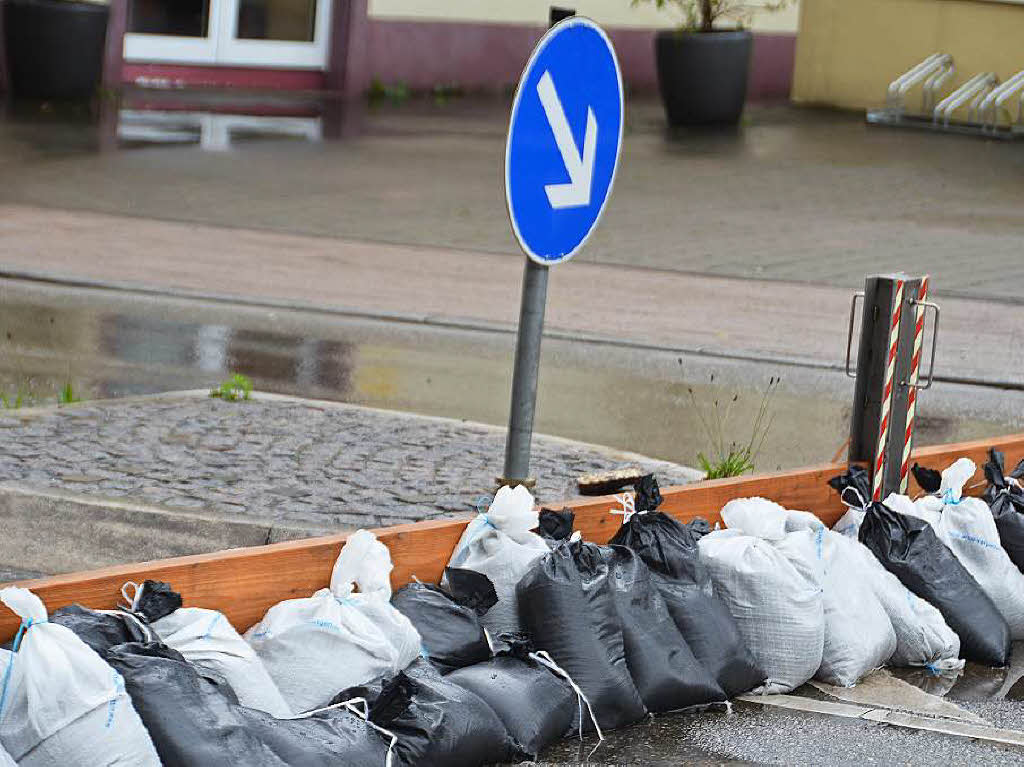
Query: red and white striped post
915,376
888,369
878,462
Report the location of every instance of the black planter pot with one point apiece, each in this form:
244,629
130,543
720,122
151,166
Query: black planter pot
54,48
703,75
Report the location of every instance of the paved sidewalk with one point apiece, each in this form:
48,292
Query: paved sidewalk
795,194
295,462
715,316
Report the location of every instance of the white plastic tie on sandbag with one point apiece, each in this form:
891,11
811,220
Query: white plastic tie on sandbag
352,705
576,537
544,659
364,562
954,478
758,517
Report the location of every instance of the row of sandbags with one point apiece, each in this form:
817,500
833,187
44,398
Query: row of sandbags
961,554
532,635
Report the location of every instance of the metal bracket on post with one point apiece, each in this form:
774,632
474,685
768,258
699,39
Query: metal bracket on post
888,375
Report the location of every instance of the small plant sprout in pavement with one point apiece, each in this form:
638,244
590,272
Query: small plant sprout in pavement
66,395
233,389
732,459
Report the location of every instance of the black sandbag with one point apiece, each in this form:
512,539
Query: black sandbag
662,665
555,526
669,549
646,494
196,722
156,600
449,623
929,480
437,722
909,548
536,705
1007,504
102,630
566,605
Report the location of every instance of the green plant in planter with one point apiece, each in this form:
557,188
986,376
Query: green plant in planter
701,15
733,459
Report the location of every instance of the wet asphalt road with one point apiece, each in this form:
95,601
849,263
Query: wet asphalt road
753,734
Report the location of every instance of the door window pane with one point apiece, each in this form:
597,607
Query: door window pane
180,18
292,20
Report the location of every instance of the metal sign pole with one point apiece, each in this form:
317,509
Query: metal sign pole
556,188
527,363
524,376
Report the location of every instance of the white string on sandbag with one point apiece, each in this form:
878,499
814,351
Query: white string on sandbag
131,603
628,507
350,705
547,661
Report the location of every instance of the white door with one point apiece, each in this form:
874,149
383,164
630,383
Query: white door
271,33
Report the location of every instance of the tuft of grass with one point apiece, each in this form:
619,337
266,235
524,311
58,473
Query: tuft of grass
12,401
233,389
732,459
66,395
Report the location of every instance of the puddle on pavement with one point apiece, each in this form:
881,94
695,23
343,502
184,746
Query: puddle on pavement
974,683
118,344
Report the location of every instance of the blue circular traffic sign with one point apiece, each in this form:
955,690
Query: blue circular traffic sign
564,139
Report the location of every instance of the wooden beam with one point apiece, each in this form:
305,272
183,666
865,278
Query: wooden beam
243,583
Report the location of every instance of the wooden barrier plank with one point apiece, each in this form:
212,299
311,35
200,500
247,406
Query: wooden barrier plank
243,583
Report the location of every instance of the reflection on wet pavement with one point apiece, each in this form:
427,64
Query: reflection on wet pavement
111,344
974,683
212,132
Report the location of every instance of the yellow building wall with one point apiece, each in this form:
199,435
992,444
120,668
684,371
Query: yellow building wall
848,51
615,13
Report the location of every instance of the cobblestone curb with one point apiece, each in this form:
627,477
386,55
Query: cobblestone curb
148,477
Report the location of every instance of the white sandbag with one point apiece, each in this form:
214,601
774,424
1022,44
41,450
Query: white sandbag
501,545
6,760
859,637
771,582
967,527
210,642
313,648
922,636
849,524
60,703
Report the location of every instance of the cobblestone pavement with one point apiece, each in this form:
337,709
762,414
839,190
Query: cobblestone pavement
286,460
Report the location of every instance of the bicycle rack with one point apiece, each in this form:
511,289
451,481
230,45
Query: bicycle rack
990,108
984,98
933,72
971,92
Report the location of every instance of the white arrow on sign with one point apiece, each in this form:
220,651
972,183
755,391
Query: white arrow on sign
576,193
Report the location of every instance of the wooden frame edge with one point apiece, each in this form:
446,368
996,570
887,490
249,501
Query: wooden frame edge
243,583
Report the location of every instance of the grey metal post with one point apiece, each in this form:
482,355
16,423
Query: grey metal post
527,364
524,376
873,385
